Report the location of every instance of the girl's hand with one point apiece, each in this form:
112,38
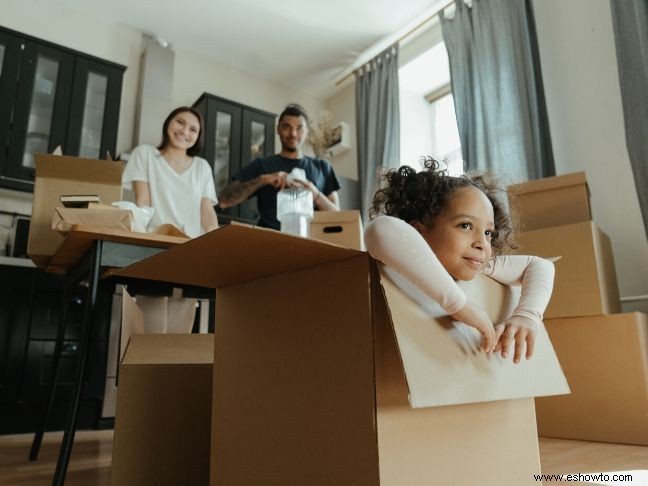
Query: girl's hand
473,316
520,329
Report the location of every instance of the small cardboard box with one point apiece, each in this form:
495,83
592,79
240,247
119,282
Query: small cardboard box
339,227
552,201
110,217
325,373
585,282
57,175
605,359
162,424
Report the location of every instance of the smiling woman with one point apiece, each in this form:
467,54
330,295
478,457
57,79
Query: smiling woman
172,179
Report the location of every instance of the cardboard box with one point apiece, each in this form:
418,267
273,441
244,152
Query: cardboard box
162,425
585,282
605,359
338,227
111,217
326,373
57,175
552,201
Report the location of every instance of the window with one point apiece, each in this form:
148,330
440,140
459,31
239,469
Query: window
428,122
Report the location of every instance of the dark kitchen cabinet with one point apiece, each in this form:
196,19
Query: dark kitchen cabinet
30,305
235,134
53,96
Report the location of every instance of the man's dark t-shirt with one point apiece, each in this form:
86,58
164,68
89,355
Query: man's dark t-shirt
318,171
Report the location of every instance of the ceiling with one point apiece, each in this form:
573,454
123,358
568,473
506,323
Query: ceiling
302,44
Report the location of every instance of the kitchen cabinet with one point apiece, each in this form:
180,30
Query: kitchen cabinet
30,306
53,96
234,135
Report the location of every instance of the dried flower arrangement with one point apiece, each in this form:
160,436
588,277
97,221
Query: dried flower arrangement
323,134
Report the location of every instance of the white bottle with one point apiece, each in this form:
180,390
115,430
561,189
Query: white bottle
295,210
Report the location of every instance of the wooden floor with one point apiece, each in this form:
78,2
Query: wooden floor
90,464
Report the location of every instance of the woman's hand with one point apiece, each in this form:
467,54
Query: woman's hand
473,316
518,329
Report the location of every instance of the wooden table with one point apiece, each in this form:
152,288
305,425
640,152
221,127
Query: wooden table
85,252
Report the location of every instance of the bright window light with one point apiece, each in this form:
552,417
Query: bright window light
428,127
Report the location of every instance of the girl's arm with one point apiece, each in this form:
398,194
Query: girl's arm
399,246
536,277
534,274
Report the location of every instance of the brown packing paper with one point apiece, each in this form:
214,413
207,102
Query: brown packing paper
64,218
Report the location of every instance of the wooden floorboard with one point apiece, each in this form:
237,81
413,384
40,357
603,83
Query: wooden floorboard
91,456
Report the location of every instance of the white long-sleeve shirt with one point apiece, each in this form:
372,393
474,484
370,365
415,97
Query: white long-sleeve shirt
399,246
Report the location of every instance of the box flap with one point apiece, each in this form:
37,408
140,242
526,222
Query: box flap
49,166
548,183
235,254
170,349
325,217
441,358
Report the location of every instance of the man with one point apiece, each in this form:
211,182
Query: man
265,177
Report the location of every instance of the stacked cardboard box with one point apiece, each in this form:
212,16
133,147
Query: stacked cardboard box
603,353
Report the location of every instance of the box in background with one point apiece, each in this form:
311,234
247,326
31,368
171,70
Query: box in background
162,433
605,359
342,228
106,217
585,282
552,201
343,395
57,175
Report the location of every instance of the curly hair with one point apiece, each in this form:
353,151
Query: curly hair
422,196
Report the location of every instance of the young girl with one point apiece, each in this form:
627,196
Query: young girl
172,179
437,229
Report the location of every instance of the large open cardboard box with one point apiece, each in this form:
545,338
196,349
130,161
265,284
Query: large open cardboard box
57,175
585,282
552,201
605,359
338,227
325,373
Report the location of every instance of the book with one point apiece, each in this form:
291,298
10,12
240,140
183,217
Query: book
79,200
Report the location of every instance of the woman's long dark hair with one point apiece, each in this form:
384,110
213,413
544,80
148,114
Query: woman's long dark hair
196,148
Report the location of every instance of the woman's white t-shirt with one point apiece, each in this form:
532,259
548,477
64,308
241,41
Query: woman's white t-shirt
175,197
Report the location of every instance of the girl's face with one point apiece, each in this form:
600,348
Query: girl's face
183,130
461,236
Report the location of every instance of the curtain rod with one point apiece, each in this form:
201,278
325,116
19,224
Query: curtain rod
400,39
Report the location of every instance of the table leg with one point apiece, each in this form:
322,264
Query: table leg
88,327
53,377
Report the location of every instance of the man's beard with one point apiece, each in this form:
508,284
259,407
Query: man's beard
290,149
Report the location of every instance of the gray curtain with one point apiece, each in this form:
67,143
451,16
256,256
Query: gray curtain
497,88
377,121
630,19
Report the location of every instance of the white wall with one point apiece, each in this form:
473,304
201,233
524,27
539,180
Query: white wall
342,107
195,74
579,68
